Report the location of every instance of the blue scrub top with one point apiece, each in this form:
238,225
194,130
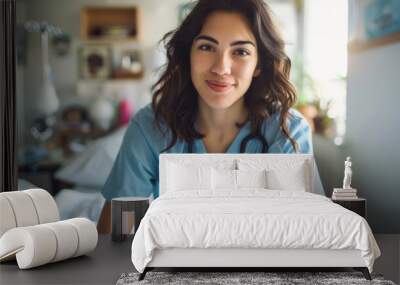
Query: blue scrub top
135,170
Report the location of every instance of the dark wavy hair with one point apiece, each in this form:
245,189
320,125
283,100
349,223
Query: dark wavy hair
175,98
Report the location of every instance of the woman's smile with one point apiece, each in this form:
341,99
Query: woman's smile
220,86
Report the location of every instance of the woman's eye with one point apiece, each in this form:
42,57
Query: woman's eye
241,52
205,47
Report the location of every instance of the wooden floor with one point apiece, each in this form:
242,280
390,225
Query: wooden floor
389,262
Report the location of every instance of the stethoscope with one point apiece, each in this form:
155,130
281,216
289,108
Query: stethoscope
243,143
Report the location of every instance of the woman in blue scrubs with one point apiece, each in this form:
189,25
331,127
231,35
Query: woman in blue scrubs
225,89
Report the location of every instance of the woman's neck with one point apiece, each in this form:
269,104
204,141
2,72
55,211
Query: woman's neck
219,122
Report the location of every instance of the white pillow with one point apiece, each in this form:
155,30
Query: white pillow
188,177
292,179
228,179
251,178
285,172
224,179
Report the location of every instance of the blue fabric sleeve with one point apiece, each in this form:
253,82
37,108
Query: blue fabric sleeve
299,130
135,169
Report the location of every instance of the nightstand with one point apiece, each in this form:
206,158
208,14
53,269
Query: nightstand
358,206
127,212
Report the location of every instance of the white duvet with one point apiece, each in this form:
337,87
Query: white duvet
251,218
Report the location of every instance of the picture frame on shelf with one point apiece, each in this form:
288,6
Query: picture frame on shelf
95,61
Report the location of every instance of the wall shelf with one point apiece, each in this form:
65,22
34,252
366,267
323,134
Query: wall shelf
103,24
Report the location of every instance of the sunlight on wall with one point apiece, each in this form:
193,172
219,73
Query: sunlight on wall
325,55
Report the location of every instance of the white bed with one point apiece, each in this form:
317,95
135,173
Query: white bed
253,210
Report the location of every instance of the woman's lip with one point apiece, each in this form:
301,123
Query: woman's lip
219,86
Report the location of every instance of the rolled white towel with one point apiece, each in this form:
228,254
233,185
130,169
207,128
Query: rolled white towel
40,244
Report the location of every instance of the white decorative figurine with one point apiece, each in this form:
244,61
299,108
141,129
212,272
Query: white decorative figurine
347,173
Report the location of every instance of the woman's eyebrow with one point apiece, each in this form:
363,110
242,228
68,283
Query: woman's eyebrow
207,38
211,39
243,43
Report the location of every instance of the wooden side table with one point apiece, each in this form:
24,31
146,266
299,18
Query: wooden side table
358,206
126,212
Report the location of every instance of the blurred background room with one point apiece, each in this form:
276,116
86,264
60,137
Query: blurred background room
85,67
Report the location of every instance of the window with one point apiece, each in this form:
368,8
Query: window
316,37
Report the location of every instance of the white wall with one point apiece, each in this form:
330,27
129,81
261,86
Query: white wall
372,134
373,137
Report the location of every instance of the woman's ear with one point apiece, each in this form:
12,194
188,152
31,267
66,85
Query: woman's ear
257,72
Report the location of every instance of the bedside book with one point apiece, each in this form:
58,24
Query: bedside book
346,194
341,190
336,197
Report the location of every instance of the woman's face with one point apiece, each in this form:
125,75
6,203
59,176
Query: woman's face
223,59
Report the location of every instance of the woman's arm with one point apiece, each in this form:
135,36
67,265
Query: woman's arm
135,169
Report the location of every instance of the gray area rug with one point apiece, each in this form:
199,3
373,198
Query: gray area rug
269,278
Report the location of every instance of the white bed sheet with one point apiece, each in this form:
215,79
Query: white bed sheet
251,218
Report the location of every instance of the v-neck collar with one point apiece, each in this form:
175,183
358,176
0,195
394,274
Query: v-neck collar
232,148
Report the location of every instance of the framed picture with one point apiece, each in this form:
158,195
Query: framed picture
95,62
373,23
381,18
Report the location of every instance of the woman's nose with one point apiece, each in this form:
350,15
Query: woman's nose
221,65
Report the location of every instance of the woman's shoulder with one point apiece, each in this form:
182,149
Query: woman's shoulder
294,120
145,120
145,115
143,125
